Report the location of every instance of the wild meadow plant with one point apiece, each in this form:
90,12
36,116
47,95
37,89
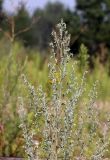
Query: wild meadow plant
68,123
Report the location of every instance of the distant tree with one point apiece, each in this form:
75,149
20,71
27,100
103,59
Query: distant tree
2,19
48,17
1,1
72,20
23,26
95,21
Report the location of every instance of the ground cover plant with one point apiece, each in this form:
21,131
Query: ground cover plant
61,123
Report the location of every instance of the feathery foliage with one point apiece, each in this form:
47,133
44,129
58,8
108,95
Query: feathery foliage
66,121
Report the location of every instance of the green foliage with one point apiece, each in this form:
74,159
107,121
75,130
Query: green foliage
12,64
11,68
83,57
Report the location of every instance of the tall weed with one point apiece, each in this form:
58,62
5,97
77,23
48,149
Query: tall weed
61,123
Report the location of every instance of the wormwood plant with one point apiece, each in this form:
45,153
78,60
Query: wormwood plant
67,123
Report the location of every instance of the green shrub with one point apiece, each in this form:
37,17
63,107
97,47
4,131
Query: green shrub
10,68
62,124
